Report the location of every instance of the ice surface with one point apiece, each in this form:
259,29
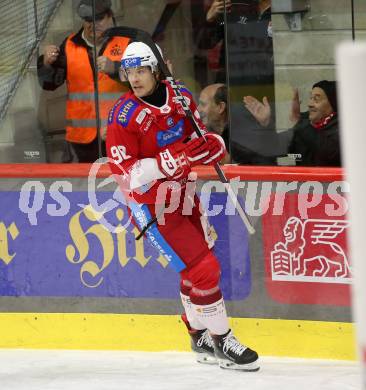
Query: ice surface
109,370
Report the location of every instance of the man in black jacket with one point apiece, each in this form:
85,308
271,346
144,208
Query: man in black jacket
250,47
316,134
315,140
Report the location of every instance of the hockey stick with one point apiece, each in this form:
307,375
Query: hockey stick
141,35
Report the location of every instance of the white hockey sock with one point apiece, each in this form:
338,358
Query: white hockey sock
213,316
193,320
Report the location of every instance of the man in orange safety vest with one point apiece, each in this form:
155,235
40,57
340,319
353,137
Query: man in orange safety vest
73,62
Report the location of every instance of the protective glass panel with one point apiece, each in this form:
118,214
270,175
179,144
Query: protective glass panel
73,85
24,24
259,52
276,52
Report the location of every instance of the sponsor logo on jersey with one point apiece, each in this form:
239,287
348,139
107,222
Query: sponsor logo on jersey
147,124
126,111
165,109
141,116
170,122
111,114
131,62
112,111
167,137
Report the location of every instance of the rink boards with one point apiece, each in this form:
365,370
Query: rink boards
68,282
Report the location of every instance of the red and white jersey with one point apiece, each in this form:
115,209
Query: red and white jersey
138,130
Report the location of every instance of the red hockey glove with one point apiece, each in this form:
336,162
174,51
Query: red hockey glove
177,160
216,147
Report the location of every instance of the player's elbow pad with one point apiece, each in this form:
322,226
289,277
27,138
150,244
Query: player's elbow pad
143,172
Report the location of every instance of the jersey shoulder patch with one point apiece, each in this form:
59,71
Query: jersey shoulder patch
114,108
126,111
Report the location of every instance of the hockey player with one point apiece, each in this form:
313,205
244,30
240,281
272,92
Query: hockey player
152,145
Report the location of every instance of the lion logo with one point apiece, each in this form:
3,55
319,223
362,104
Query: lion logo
312,251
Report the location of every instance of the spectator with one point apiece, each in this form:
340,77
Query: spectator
214,114
211,36
213,111
73,62
316,134
250,40
248,58
315,141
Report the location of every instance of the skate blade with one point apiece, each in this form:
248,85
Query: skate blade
228,365
205,358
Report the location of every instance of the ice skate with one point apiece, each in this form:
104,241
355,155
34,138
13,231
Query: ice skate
203,346
232,355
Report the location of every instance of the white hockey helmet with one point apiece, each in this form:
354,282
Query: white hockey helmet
139,54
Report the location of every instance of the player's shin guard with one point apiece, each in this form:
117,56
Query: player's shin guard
201,342
190,314
213,316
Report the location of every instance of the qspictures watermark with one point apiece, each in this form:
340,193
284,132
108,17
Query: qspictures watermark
258,198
